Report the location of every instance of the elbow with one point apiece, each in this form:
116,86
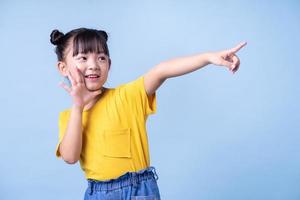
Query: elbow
69,157
161,71
70,161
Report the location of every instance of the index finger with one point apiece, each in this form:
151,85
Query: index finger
81,76
77,75
238,47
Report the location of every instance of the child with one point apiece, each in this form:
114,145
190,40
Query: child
105,127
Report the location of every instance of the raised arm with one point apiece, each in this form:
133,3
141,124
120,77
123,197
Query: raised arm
183,65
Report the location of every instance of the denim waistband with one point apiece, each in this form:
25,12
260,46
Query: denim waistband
129,178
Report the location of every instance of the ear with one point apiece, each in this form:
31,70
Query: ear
62,68
109,63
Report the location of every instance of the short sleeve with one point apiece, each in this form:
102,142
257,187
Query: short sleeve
62,125
136,92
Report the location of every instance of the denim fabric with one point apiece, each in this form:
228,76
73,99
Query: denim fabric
139,185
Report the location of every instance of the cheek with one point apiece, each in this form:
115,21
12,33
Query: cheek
81,66
105,69
72,63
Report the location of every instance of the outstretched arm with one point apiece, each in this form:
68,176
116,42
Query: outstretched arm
183,65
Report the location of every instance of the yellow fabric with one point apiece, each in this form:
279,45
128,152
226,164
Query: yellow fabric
114,131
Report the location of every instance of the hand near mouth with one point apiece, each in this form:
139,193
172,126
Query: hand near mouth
81,96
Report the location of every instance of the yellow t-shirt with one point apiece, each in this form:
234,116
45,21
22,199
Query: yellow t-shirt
114,139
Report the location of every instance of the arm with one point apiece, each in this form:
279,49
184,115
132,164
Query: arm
183,65
70,146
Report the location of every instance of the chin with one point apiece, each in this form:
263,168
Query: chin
94,88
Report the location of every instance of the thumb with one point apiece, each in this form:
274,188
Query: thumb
97,92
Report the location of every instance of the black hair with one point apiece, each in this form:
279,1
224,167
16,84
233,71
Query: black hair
84,41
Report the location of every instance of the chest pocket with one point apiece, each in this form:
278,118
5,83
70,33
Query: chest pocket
117,143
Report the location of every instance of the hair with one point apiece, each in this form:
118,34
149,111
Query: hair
84,41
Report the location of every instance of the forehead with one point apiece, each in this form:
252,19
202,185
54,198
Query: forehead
88,43
71,50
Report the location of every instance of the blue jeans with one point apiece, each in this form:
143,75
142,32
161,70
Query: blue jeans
139,185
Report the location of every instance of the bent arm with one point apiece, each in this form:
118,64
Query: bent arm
71,144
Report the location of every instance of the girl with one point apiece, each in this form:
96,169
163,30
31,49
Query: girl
105,127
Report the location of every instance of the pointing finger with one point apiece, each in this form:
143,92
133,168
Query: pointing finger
238,47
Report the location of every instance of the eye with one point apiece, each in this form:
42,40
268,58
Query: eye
102,58
82,58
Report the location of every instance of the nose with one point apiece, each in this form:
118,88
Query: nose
93,66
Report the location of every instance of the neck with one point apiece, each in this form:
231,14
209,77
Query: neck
94,100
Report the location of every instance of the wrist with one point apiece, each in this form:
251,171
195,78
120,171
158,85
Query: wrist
77,107
208,58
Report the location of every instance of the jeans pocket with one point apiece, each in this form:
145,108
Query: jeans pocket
117,142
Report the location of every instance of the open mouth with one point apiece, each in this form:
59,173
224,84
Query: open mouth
92,77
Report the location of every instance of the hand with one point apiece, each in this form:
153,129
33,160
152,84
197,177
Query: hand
78,91
227,58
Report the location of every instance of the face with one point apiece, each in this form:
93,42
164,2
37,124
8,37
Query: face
94,67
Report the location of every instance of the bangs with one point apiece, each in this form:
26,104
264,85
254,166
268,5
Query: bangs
89,41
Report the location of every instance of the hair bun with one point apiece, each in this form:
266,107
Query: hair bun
103,33
56,37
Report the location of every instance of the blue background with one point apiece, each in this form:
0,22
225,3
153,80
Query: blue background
215,136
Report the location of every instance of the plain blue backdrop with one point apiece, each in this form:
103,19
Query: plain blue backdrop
215,136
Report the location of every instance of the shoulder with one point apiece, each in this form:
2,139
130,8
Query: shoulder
65,113
135,83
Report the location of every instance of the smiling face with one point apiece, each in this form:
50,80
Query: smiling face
88,54
94,67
